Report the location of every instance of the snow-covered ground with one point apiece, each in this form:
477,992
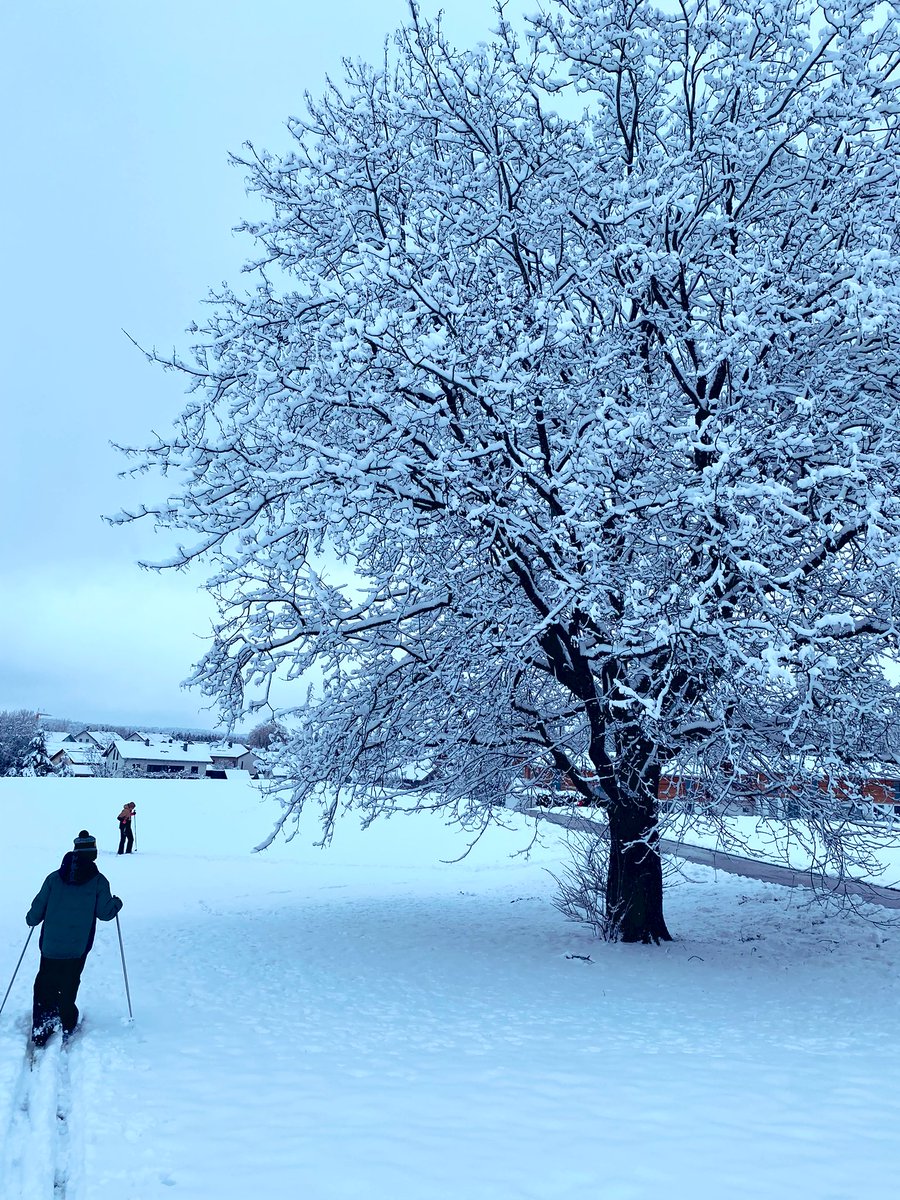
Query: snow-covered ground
790,845
370,1021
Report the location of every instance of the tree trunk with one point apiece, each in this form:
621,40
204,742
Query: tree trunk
634,890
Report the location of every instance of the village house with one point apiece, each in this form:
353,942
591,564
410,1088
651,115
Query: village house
99,738
877,798
232,756
81,759
160,758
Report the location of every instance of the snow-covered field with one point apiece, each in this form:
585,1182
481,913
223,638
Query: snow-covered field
372,1022
773,841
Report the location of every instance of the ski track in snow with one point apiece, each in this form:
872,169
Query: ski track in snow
36,1158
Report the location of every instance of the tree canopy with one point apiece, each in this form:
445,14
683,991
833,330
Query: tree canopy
579,350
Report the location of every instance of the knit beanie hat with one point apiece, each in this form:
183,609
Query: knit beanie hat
86,845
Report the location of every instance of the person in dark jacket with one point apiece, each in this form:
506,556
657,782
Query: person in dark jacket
126,816
70,902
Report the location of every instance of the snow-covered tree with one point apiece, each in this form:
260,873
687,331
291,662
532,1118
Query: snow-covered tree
264,735
601,411
17,731
37,761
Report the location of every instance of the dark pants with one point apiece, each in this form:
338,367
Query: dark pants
125,835
55,989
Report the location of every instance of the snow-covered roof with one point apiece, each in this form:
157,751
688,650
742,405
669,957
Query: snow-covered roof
102,736
81,770
75,752
228,750
58,741
169,750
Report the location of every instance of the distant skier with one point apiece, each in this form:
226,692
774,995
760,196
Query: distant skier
126,835
69,903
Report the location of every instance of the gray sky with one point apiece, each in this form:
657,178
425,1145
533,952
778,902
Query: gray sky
117,214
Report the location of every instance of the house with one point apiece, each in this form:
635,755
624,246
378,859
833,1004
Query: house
232,756
158,759
80,759
101,737
82,736
88,737
874,798
752,793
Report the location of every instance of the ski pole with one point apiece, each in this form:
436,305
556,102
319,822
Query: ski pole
134,823
16,971
124,971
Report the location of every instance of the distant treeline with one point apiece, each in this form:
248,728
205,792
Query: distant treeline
65,725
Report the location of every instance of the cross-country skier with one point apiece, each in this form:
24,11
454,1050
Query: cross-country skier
69,903
126,837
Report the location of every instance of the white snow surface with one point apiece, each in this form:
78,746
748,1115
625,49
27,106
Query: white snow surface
371,1020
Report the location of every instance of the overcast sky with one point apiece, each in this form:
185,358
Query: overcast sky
116,215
